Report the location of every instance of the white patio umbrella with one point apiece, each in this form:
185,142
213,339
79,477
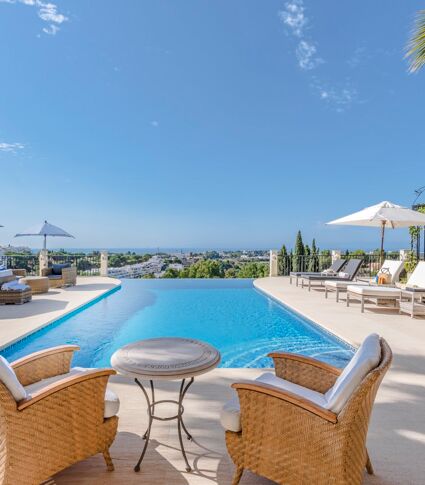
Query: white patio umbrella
45,229
385,214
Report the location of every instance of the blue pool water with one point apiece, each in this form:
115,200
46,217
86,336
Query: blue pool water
232,315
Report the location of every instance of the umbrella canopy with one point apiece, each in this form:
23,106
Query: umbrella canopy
382,215
45,229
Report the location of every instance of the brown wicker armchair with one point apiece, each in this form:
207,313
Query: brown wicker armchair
291,440
68,277
14,297
57,426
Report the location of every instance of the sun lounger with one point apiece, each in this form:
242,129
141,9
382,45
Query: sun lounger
392,267
335,267
416,283
350,271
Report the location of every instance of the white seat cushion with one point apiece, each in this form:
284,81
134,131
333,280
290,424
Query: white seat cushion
374,291
9,379
365,359
112,402
231,415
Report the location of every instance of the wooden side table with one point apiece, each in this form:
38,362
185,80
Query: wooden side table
167,358
38,284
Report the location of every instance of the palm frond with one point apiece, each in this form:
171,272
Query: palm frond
416,46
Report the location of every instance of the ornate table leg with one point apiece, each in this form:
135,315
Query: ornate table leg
179,417
180,423
148,431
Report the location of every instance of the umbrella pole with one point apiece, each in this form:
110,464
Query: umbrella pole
382,241
45,242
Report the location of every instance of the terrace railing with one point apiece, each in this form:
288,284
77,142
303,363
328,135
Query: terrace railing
317,263
87,264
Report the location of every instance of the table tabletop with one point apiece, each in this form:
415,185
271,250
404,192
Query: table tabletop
166,358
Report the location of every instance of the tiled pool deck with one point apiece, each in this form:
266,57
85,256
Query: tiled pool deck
396,439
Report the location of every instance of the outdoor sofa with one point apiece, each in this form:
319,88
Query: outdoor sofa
307,422
391,268
413,290
11,291
52,415
350,271
60,275
334,268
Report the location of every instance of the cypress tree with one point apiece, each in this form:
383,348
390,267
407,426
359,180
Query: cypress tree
298,258
314,260
283,262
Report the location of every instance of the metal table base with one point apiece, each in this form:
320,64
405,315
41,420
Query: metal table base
179,417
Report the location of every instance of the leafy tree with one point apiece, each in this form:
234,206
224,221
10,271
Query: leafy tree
298,258
171,273
253,270
416,46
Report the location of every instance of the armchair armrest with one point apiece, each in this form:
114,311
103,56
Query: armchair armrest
46,271
64,384
288,397
305,371
19,272
45,363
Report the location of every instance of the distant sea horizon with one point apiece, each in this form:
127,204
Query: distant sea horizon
148,250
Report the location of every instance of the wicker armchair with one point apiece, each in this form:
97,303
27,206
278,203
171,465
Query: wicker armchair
67,278
291,440
57,426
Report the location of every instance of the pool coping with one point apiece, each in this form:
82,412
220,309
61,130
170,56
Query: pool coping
321,326
64,316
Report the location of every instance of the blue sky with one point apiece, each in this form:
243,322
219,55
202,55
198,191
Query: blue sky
206,123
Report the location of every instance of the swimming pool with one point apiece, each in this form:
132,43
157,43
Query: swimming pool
232,315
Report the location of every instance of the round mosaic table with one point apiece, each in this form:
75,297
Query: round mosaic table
38,284
166,358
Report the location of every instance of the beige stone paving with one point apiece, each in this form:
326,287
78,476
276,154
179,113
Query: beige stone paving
17,321
396,438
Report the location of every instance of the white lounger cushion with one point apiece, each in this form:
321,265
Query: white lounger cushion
343,284
112,402
366,358
395,267
9,379
378,291
231,414
6,272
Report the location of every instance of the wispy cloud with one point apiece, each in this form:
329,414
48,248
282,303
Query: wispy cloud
47,12
10,147
295,20
338,96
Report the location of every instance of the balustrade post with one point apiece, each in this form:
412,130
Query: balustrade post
273,263
404,254
43,260
103,263
335,254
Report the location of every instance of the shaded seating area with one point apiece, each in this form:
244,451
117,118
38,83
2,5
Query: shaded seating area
308,422
53,415
350,271
413,290
389,272
334,268
60,275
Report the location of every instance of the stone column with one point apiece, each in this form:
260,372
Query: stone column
335,254
103,263
43,260
273,263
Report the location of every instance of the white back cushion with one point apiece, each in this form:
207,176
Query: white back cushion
6,272
9,379
417,278
364,360
394,267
